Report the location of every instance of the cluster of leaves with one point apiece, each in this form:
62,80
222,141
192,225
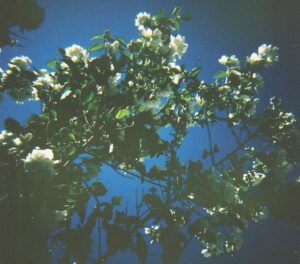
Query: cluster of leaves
110,110
25,14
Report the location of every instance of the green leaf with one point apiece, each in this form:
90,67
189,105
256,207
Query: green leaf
53,114
1,98
216,148
195,71
96,47
176,25
52,63
185,17
88,97
205,154
91,106
176,12
70,150
116,200
141,248
71,137
121,41
122,113
220,74
99,189
44,116
97,36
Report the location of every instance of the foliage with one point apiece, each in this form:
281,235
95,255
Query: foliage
111,110
25,14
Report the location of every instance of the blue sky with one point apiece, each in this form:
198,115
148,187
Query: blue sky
218,27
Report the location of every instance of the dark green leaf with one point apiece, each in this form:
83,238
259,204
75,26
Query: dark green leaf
53,114
88,97
195,71
141,248
216,148
70,150
176,25
44,116
96,47
116,200
1,98
205,154
99,189
176,12
186,17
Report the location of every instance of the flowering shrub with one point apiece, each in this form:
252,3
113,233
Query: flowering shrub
110,109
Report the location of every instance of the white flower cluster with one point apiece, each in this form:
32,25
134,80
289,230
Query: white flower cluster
40,165
232,61
153,231
266,54
21,63
254,178
176,47
16,82
4,136
77,54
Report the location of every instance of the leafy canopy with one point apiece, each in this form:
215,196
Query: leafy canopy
109,105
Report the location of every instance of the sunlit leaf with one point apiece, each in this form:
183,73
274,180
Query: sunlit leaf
122,113
52,64
96,47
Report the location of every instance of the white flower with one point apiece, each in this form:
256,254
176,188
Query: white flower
141,19
111,148
173,65
77,53
191,196
40,165
254,58
130,83
176,78
112,67
205,253
223,60
22,63
17,141
113,47
4,135
146,33
178,45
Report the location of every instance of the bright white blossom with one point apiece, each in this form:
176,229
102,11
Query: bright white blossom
40,165
231,61
178,45
77,54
